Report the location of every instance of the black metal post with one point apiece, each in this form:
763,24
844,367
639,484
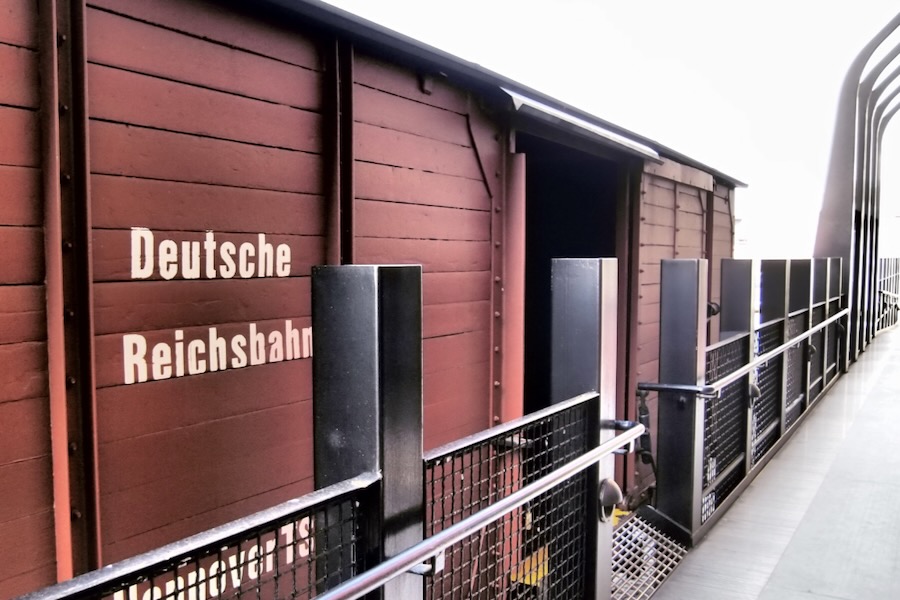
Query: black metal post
367,389
583,359
739,295
800,301
682,360
773,307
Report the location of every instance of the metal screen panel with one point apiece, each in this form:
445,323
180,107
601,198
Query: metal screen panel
833,340
767,408
796,369
725,416
539,550
296,554
724,421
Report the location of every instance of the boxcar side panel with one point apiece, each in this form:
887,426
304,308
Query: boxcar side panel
27,547
723,235
673,225
208,213
421,198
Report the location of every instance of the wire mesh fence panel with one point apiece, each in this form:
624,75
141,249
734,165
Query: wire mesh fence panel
767,408
888,290
817,341
296,555
538,550
833,342
725,418
796,370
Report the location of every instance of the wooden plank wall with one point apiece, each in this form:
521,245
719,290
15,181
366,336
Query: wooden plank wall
200,120
421,197
723,239
27,550
673,225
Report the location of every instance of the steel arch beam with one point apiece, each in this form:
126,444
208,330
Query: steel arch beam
841,231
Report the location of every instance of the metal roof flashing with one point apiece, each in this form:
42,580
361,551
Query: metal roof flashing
558,118
552,112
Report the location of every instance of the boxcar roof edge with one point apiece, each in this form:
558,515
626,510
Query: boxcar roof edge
385,41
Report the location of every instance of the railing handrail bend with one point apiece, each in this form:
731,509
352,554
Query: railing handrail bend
96,581
405,561
719,384
712,390
486,434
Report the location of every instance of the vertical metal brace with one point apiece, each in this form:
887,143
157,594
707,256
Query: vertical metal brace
65,163
774,306
801,296
682,359
367,398
739,296
339,151
584,299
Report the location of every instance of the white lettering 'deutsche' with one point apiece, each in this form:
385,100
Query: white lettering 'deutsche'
212,352
207,258
207,351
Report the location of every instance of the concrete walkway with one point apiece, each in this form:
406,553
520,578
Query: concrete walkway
822,521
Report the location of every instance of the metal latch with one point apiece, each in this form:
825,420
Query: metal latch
432,566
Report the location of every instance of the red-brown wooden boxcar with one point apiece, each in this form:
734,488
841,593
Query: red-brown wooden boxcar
169,173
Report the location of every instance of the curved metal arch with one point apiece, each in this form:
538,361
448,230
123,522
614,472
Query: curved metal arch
848,204
869,190
868,200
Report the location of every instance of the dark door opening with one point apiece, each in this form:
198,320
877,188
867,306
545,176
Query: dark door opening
570,213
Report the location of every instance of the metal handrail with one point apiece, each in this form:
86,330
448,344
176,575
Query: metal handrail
112,575
700,390
414,556
764,358
712,390
486,434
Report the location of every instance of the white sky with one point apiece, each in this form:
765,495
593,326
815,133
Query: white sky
749,88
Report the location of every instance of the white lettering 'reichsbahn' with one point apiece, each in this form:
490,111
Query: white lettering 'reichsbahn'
212,352
208,258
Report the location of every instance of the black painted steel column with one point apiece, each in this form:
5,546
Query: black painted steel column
682,360
583,359
367,395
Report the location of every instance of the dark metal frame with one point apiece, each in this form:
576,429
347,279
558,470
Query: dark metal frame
430,548
167,559
583,357
786,290
367,374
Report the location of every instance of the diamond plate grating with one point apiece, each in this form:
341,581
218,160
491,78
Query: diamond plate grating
643,557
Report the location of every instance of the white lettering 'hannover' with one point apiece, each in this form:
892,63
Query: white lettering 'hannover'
211,352
233,569
206,259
